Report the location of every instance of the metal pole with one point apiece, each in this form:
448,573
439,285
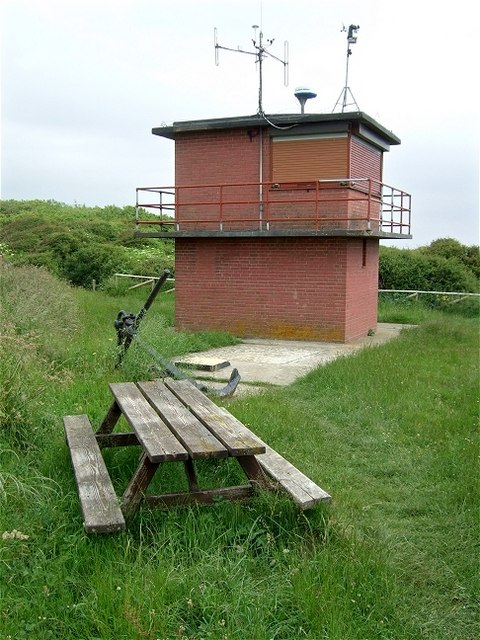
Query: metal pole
138,318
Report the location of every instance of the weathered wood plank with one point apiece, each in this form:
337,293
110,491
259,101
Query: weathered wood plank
304,492
100,508
134,493
231,432
116,439
111,419
254,471
195,437
158,441
205,496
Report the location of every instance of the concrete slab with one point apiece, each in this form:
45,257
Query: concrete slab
281,362
203,362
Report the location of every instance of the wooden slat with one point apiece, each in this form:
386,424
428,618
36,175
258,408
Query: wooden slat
100,508
231,432
304,492
301,489
116,439
205,496
156,438
194,436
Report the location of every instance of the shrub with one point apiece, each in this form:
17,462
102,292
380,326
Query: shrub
468,256
91,262
407,269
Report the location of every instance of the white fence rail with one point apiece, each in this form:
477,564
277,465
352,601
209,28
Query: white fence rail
410,293
144,280
414,293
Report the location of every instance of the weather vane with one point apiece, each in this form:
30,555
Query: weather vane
346,91
260,53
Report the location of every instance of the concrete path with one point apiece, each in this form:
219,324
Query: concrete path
279,362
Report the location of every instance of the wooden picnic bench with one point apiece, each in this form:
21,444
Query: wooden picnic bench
171,421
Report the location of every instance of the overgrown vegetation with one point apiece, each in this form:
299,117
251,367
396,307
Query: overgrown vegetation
79,244
443,265
391,432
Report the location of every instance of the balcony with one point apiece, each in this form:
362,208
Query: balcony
336,207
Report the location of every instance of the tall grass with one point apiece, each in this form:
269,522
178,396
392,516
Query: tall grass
391,432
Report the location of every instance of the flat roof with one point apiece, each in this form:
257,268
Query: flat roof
302,120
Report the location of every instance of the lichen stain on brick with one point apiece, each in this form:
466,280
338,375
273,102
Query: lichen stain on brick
285,331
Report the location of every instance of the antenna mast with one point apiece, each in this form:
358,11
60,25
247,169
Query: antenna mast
260,53
346,91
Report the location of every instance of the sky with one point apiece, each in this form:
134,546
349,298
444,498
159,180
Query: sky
84,81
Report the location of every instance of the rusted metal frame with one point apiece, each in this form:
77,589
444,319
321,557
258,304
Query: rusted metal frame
125,345
266,203
369,204
221,208
161,206
317,201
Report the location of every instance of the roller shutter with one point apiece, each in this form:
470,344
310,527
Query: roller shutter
309,158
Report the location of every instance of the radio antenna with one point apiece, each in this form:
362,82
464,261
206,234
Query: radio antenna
260,53
346,91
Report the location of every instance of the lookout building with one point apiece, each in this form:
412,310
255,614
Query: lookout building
277,222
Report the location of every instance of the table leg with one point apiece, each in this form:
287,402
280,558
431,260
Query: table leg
110,420
137,486
191,475
254,471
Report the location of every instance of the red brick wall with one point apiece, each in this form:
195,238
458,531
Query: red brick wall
231,157
219,157
290,288
361,287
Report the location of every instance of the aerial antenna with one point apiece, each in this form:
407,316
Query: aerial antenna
260,53
346,93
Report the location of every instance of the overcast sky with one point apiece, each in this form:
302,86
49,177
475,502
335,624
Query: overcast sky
84,81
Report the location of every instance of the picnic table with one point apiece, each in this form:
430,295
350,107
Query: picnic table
171,421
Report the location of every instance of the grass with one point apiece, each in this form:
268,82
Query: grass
391,433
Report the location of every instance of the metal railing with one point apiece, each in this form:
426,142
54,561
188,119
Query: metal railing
344,203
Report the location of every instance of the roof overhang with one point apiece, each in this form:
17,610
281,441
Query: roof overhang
297,124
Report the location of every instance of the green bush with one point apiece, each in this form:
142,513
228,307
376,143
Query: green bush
416,269
79,244
91,262
468,256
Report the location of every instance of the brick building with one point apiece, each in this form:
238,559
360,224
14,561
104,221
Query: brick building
277,223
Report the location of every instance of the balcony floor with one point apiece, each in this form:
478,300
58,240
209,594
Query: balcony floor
287,233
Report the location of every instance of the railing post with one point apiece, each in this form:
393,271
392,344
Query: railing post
409,213
369,204
266,195
176,198
136,210
317,204
221,208
401,211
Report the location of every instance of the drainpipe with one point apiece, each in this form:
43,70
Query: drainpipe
260,190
